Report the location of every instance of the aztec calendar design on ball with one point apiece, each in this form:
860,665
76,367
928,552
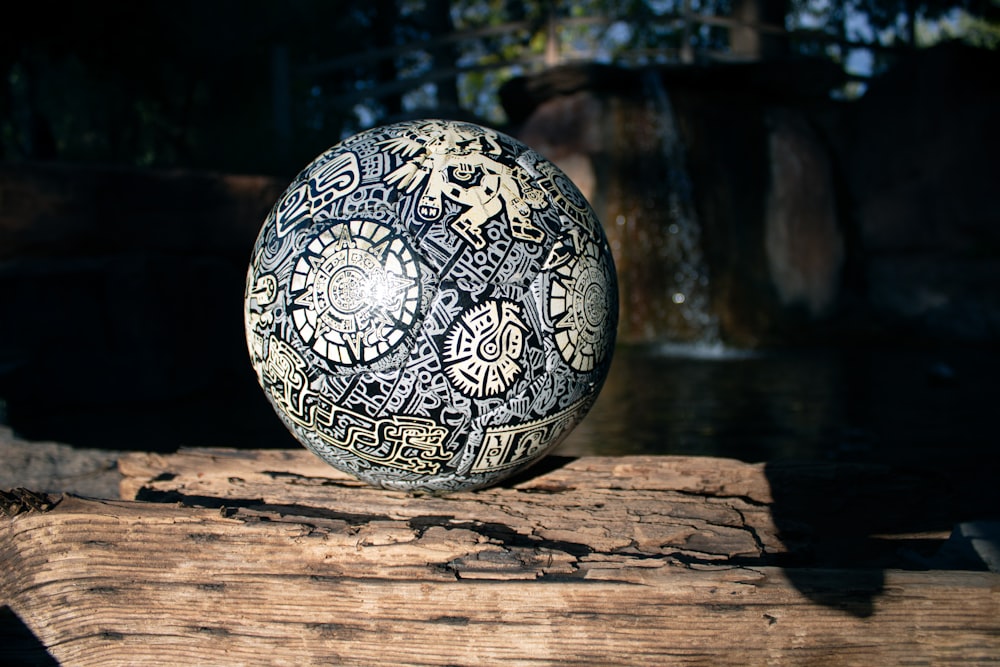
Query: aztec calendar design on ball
355,292
431,306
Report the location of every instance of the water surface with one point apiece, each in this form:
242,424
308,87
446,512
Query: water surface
893,404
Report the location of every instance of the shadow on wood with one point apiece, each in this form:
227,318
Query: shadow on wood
19,647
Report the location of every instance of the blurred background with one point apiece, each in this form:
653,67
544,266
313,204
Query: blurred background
800,196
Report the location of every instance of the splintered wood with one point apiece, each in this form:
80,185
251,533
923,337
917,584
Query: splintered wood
219,557
716,512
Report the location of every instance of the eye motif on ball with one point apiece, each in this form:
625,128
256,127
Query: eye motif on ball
483,349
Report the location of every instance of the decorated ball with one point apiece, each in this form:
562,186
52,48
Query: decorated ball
431,306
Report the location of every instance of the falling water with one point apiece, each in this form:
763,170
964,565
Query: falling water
688,301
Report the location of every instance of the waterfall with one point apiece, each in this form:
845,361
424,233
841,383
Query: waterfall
689,316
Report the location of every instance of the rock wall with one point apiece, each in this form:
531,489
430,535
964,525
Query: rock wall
818,219
125,287
920,153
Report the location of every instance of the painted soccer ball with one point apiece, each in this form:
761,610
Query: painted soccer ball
431,306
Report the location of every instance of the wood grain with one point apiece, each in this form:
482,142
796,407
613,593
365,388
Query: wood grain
246,558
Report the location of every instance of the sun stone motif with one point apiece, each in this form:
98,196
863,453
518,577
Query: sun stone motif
580,303
431,306
355,291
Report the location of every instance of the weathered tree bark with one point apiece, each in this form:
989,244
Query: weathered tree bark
275,558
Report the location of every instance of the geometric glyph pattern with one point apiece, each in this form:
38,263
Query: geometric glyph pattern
579,301
431,305
355,292
484,347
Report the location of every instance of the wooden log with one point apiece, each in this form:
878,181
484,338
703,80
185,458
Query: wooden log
705,509
275,558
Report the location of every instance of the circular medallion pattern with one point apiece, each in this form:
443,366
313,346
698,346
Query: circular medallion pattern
355,292
580,305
